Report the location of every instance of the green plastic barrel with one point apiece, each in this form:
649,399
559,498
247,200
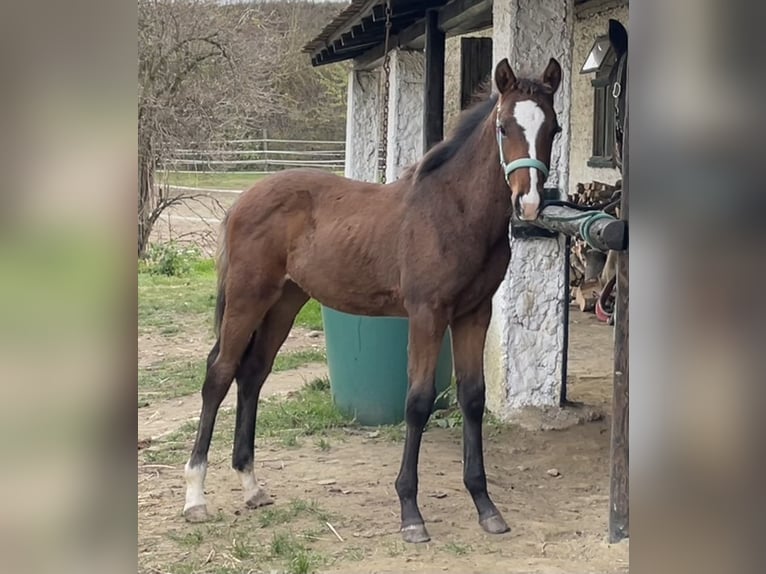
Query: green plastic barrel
367,363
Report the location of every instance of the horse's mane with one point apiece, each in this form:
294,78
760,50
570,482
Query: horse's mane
481,104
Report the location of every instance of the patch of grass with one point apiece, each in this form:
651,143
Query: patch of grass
290,440
166,453
190,539
296,557
283,544
275,515
171,379
354,553
307,412
294,359
457,549
395,548
179,377
237,181
241,550
174,448
170,259
302,562
310,316
182,568
393,433
323,444
165,302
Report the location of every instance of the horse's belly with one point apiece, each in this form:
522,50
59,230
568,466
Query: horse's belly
347,280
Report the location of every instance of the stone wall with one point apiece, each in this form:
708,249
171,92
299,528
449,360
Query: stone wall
525,341
405,111
362,127
587,28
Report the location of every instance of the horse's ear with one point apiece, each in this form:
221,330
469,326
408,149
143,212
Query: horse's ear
618,37
552,75
504,76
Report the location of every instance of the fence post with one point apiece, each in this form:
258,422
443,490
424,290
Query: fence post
265,150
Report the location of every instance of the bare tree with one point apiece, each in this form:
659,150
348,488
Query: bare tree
204,74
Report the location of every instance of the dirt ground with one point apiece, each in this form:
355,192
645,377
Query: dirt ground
558,523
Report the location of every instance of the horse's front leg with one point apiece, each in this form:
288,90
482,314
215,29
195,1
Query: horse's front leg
425,338
468,335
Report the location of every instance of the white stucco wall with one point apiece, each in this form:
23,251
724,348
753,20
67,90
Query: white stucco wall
587,28
524,350
405,111
362,131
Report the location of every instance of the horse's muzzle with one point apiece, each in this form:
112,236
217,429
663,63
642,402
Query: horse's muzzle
526,206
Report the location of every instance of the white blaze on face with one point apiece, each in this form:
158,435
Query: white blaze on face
530,118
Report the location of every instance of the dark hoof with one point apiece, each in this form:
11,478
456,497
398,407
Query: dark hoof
494,524
259,498
196,513
415,533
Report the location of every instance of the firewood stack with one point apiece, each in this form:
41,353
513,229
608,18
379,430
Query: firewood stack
587,275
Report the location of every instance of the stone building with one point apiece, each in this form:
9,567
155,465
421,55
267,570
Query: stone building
525,360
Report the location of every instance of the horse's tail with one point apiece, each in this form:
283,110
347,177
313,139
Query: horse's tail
222,266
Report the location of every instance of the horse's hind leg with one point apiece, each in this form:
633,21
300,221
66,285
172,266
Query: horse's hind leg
252,373
468,336
245,308
425,338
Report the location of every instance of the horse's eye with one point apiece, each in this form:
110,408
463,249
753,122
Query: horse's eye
502,131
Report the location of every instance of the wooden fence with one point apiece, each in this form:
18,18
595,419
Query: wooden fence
258,156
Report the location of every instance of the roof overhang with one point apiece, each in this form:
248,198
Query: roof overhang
359,29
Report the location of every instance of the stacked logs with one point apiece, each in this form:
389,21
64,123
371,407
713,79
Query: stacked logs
589,270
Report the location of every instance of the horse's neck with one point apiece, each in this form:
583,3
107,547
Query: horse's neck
483,191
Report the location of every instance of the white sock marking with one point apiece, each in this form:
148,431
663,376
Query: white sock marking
195,485
249,484
530,118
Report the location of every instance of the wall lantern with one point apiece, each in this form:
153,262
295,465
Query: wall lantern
597,55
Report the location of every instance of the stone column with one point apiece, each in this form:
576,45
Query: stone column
525,342
405,111
362,131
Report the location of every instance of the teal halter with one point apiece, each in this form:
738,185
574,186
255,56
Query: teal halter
510,167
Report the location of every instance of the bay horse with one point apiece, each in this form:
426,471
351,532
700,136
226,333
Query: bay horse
432,246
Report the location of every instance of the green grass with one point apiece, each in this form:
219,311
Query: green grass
241,550
174,378
171,379
237,181
231,180
457,549
278,515
296,557
310,317
190,539
167,303
294,359
307,412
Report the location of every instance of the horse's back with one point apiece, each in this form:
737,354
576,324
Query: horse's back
335,237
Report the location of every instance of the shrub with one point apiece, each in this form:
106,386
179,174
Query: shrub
170,259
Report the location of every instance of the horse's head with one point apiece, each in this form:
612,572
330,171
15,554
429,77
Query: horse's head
526,125
618,38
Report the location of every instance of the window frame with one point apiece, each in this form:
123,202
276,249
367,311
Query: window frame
602,137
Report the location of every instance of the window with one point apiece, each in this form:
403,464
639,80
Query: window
603,113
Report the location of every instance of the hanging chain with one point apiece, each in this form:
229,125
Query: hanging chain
387,72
